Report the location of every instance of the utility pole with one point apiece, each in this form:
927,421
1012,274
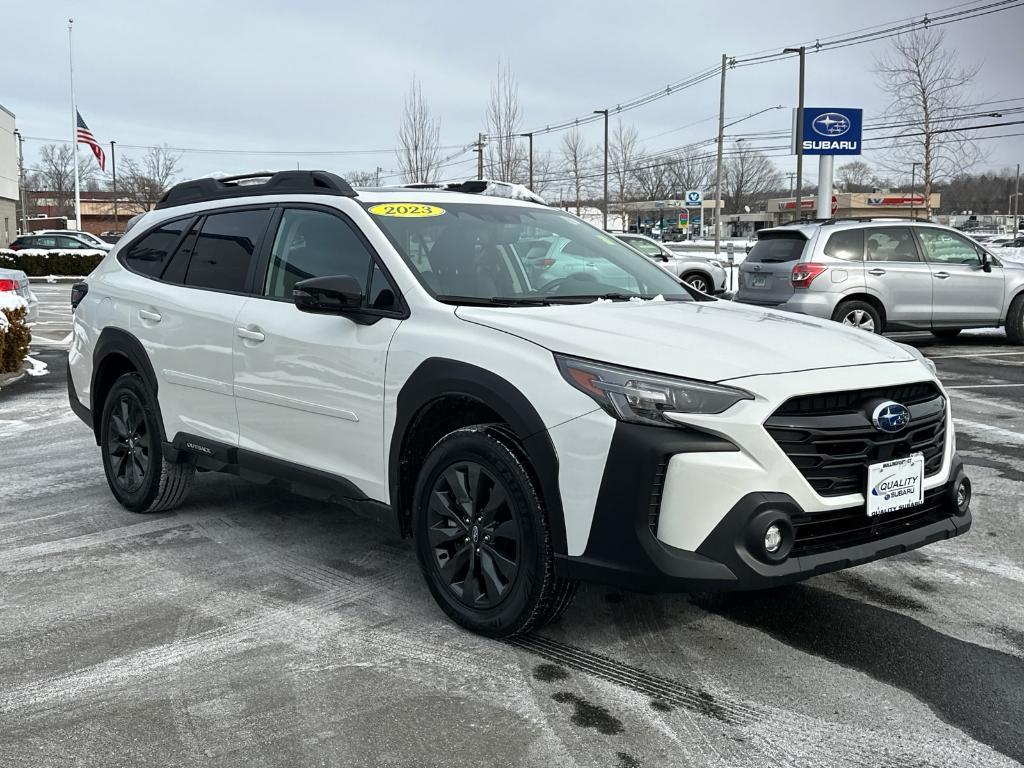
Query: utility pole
74,127
791,176
802,50
21,180
530,137
605,211
1017,204
718,161
480,155
376,181
113,177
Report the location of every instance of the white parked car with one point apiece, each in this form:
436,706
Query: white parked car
14,282
703,273
389,349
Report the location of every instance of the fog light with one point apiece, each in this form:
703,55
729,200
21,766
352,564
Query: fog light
772,538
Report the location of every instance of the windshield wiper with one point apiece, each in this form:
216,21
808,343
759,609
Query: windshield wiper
523,301
494,301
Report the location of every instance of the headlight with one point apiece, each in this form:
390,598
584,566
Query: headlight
645,398
917,353
715,263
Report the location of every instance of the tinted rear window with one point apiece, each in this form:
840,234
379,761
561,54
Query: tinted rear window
777,248
149,255
225,249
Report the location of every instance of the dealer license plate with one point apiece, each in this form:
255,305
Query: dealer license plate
895,485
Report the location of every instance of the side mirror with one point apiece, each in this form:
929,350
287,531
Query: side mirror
333,295
986,262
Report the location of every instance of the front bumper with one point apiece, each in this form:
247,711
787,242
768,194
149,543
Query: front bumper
624,550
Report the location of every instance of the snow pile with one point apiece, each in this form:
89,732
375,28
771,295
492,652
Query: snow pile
38,367
48,252
9,301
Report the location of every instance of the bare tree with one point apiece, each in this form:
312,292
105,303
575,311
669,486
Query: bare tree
929,89
576,155
361,178
749,176
691,169
55,173
506,156
543,171
623,151
143,182
855,176
419,152
652,179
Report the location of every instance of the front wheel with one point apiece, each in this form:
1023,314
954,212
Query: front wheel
1015,320
137,473
698,281
858,314
482,536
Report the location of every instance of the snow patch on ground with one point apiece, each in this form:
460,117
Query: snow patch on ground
36,367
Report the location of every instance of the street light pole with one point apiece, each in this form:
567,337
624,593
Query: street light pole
1016,206
21,180
802,50
530,137
605,212
113,177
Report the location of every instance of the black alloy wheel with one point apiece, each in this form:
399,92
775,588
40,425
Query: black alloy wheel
474,534
129,444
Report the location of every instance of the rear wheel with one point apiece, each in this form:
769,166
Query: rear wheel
137,473
946,333
699,281
858,314
482,536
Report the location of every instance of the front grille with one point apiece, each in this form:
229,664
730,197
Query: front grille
827,531
830,438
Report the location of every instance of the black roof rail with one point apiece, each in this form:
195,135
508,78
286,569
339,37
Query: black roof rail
840,219
279,183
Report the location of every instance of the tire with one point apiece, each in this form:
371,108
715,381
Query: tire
493,575
946,334
700,281
858,314
137,473
1015,320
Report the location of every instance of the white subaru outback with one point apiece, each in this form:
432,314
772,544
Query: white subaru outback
391,349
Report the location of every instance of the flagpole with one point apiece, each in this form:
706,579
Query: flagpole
74,128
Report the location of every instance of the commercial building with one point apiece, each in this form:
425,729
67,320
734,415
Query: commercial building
99,212
9,181
899,205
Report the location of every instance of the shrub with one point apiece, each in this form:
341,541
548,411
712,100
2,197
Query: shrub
39,263
14,333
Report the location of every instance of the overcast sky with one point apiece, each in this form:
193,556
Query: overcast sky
305,76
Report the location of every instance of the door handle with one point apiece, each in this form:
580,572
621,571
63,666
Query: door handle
876,272
249,334
153,317
942,275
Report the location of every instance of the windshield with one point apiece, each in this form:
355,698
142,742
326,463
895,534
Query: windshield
513,255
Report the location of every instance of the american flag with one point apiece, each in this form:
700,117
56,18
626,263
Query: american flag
85,137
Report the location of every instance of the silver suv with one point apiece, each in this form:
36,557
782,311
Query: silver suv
703,273
884,275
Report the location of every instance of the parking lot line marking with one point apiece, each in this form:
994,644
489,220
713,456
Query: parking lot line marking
975,354
984,386
1010,435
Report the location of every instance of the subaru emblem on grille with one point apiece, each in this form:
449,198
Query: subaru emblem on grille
890,417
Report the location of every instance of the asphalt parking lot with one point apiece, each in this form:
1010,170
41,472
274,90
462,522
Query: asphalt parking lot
254,628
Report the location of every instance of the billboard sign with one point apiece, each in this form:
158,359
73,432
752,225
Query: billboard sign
694,198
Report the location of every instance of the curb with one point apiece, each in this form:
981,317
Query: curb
6,379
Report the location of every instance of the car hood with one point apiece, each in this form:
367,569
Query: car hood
709,340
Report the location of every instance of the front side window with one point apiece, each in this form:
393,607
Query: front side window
224,251
495,253
149,254
314,244
70,243
890,244
942,247
645,247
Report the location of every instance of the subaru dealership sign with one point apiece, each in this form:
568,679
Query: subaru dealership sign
831,130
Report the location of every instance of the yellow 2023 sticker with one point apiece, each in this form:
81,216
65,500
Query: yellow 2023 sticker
406,210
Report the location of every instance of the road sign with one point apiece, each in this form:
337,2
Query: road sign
694,198
830,131
683,216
